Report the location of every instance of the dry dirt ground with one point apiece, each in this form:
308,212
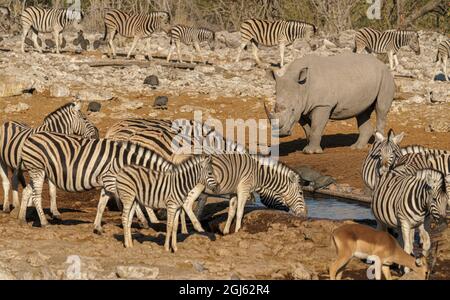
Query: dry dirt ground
272,245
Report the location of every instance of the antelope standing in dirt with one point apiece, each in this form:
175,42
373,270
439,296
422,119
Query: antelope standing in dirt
364,242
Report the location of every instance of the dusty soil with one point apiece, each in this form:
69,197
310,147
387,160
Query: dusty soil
271,245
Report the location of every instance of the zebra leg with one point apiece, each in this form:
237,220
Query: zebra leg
396,61
133,46
243,197
199,52
171,211
35,41
25,31
27,194
100,209
444,65
231,213
425,239
37,182
282,48
187,205
391,60
255,54
152,216
407,241
184,229
180,58
172,48
150,57
112,48
365,129
174,230
53,207
242,47
56,36
141,216
129,205
16,179
6,186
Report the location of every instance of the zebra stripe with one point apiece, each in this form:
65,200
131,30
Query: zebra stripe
47,20
137,26
168,138
389,41
67,119
404,201
190,36
273,33
442,57
163,190
386,153
76,165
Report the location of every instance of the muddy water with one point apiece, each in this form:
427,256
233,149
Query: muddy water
333,209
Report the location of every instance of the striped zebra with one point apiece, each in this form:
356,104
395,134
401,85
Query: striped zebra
233,167
48,20
76,165
190,36
273,33
386,153
442,57
167,190
403,201
67,119
176,141
389,41
136,26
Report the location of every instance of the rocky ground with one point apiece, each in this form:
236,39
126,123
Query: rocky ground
272,245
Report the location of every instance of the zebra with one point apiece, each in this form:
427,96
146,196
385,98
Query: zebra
442,57
67,119
48,20
177,141
404,201
75,164
389,41
190,36
136,26
273,33
163,190
386,153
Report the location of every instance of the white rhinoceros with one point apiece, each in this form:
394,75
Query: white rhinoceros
314,89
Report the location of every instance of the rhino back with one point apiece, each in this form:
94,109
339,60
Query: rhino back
349,82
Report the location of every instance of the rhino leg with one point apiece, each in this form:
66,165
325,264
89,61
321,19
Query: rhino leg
319,119
365,129
305,122
384,100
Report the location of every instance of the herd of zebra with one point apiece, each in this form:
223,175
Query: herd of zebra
254,31
137,165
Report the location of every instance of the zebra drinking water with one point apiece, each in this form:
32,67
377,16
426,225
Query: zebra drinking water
268,33
167,190
48,20
136,26
67,119
389,41
190,36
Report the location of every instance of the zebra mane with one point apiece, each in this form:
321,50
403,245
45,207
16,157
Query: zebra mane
275,164
304,23
62,108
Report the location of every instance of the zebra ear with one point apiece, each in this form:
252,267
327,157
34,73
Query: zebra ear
77,105
293,178
398,138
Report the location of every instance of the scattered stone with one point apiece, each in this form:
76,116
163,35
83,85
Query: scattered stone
85,45
13,86
91,95
161,102
59,91
97,44
152,81
94,106
302,273
439,126
30,42
135,272
50,43
17,108
198,266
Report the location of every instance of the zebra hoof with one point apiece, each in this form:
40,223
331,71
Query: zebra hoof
6,209
56,217
98,231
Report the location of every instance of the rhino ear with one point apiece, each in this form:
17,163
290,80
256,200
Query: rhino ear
303,76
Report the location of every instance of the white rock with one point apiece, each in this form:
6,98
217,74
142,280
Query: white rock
59,91
5,273
17,108
13,86
137,272
302,273
91,95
